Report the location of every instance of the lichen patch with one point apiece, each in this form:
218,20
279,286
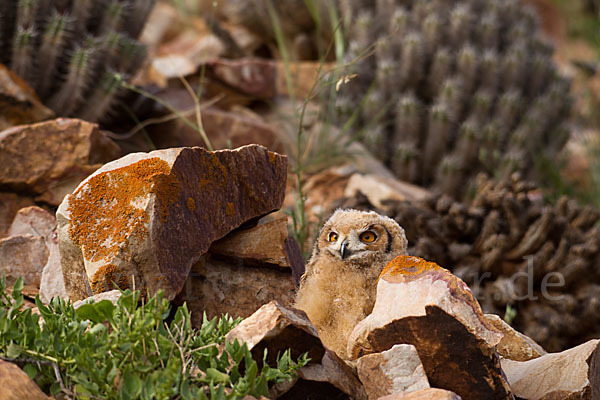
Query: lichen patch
105,213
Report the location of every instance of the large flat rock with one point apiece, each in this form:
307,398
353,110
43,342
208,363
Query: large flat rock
571,374
422,304
148,217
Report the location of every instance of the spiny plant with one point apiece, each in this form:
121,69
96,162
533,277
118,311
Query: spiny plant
453,88
73,52
130,351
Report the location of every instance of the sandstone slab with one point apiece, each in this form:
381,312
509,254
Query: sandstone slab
263,244
277,328
424,394
148,217
396,370
51,158
422,304
18,102
16,385
514,345
217,286
571,374
23,256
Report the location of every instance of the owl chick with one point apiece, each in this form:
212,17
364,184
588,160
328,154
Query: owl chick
339,286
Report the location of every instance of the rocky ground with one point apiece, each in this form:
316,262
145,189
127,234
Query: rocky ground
499,296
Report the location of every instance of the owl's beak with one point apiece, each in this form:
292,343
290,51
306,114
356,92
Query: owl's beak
344,252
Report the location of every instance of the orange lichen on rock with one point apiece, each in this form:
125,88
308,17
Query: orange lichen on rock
191,204
103,214
272,157
229,209
109,277
409,265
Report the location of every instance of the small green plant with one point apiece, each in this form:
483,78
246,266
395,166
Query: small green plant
129,351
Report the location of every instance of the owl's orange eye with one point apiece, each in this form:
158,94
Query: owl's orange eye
368,237
333,237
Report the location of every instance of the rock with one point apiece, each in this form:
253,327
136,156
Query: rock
51,158
33,221
424,394
379,188
571,374
396,370
10,204
52,283
16,385
261,244
18,102
112,296
38,222
217,286
267,78
151,216
422,304
514,345
23,256
224,130
277,328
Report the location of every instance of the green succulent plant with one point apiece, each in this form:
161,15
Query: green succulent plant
453,88
72,53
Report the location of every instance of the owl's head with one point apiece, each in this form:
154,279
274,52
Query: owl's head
361,238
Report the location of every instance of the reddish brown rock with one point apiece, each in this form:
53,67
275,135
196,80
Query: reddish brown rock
16,385
151,216
10,204
52,158
277,328
424,394
23,256
224,130
514,345
571,374
422,304
396,370
18,102
218,286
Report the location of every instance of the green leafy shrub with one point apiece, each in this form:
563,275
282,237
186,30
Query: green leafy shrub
129,351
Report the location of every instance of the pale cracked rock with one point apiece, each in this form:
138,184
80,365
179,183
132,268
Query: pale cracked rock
16,385
151,216
396,370
422,304
277,328
33,221
51,158
571,374
23,256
